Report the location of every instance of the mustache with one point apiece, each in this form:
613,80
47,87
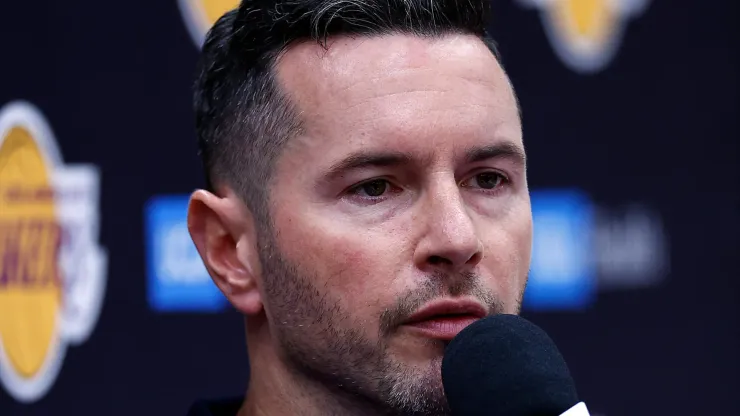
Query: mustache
438,285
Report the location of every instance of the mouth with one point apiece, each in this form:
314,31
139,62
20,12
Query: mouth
444,319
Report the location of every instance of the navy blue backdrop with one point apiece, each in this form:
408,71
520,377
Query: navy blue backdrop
630,122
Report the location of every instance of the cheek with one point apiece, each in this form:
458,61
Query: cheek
507,256
358,268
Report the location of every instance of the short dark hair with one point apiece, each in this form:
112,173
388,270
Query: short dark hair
243,118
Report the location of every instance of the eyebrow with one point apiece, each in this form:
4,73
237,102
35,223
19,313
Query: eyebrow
360,160
505,150
364,159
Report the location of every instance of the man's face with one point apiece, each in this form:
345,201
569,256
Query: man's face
406,190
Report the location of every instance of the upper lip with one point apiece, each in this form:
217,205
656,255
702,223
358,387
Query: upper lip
447,307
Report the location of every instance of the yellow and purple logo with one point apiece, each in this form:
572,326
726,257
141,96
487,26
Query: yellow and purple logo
586,34
201,15
52,270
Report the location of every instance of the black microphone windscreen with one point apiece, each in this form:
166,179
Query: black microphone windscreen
504,365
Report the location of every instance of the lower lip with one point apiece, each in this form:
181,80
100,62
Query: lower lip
443,328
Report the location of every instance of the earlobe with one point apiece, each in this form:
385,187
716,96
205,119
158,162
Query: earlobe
224,234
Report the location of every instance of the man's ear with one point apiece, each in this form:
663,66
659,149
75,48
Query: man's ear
224,233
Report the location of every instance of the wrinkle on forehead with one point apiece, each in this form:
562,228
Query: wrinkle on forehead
410,93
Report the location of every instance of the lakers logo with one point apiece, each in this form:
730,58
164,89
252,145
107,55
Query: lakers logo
52,272
586,34
200,15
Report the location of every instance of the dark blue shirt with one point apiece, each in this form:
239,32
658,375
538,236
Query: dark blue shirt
222,407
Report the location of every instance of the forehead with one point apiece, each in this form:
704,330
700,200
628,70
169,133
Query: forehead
398,89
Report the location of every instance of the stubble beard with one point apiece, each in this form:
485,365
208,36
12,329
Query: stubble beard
321,343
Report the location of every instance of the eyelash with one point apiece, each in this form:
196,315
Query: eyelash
371,200
504,180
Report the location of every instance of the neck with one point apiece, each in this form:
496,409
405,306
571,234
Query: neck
274,389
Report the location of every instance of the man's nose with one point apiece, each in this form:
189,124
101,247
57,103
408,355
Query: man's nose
450,242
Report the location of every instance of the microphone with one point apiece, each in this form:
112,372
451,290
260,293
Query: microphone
504,365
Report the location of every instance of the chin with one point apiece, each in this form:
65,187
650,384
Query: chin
418,389
417,350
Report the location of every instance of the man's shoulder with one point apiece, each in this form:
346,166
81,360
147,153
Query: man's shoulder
218,407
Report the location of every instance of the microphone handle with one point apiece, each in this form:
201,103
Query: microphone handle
578,410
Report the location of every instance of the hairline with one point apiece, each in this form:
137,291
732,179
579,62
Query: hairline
279,87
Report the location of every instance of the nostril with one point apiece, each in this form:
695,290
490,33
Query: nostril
436,260
475,258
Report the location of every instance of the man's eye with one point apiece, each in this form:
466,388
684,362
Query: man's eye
486,180
373,188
